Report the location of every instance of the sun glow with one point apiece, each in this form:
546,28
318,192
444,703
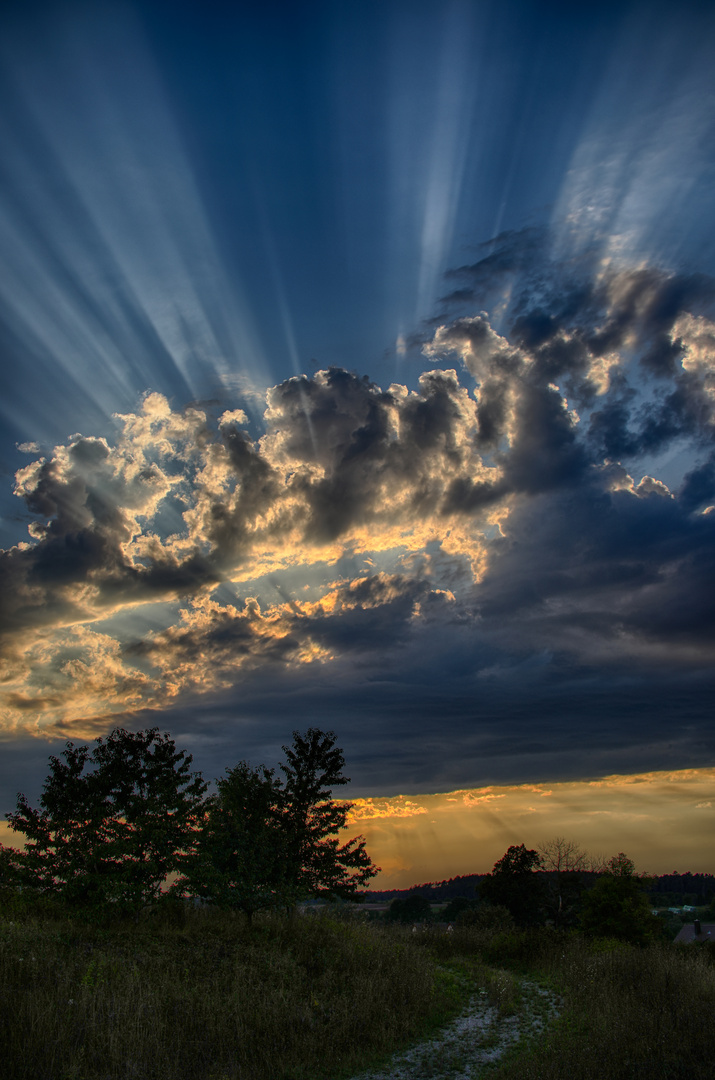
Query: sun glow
661,819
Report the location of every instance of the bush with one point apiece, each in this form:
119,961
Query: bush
487,917
457,906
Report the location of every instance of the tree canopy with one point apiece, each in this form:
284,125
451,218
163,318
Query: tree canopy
239,860
617,906
270,842
113,823
317,863
515,884
565,864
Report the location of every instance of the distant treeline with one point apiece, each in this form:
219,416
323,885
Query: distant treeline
701,885
435,891
680,886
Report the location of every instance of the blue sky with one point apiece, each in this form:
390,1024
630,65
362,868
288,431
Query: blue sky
358,368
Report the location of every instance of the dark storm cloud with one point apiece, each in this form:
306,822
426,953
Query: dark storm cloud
362,617
339,455
572,317
373,450
623,565
698,487
547,291
80,546
627,574
500,536
433,723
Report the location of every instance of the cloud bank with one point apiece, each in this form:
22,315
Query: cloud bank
536,517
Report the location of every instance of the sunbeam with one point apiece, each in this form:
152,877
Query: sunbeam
357,368
643,152
113,272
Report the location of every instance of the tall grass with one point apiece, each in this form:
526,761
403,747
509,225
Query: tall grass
630,1014
210,1000
203,996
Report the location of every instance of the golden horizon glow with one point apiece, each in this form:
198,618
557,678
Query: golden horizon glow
662,820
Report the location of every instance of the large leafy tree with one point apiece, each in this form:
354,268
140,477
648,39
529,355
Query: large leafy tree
317,864
617,906
239,860
516,884
113,823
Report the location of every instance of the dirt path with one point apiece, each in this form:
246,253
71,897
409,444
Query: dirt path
475,1039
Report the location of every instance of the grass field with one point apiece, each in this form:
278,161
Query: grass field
192,994
209,998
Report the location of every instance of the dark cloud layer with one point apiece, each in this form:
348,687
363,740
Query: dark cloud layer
491,568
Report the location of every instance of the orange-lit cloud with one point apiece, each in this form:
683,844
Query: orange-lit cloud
176,508
186,554
663,820
370,809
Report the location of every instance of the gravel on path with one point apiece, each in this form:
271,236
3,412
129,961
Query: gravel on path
477,1038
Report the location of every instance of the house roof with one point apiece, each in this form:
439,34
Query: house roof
687,934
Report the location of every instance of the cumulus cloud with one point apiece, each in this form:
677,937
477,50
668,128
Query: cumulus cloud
477,798
602,368
177,506
511,504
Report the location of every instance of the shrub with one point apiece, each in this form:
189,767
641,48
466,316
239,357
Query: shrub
487,917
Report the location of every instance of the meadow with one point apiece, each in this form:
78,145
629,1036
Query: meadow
189,993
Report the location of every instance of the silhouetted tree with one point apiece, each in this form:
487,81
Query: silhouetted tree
617,906
240,858
565,863
316,863
409,909
268,842
516,884
114,833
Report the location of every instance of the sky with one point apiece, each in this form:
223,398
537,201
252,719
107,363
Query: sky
357,370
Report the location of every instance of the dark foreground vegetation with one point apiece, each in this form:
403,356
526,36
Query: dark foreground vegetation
115,824
196,994
111,970
630,1013
191,993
